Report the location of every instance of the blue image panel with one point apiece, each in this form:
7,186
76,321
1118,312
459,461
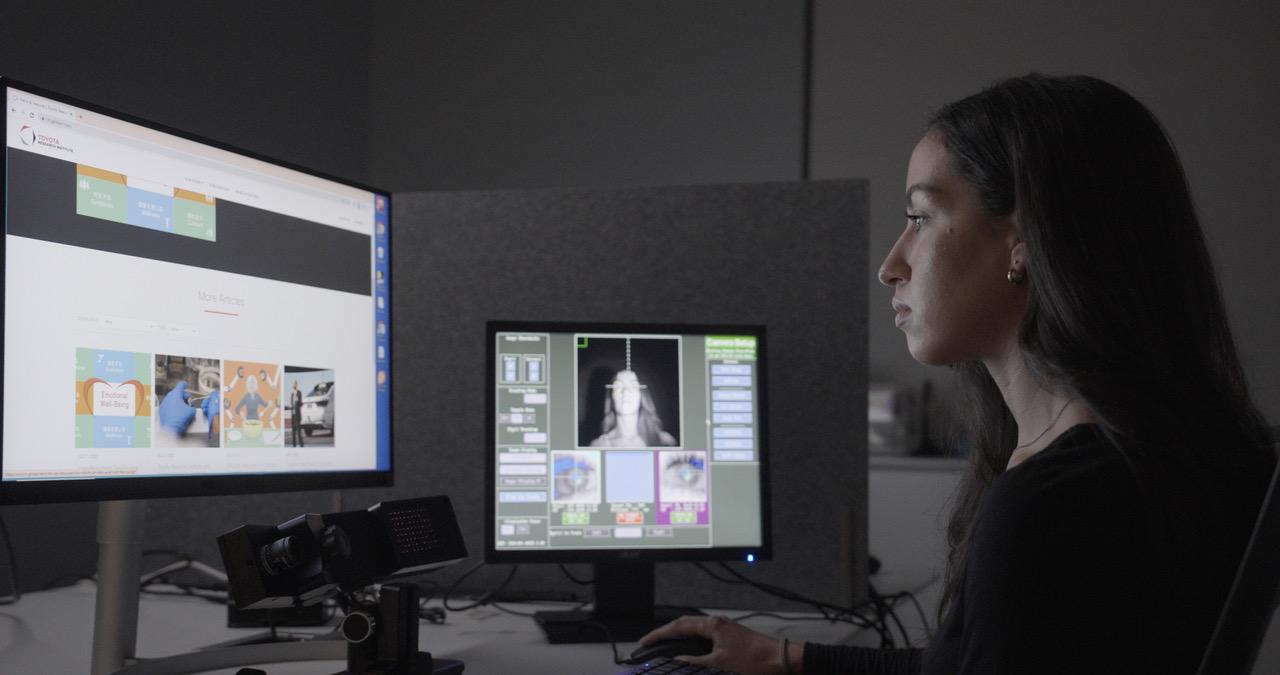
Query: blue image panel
116,366
150,210
113,432
382,316
629,477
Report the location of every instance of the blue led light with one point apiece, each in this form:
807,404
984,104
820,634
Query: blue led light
751,557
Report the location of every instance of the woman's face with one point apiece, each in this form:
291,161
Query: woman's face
251,385
626,393
951,295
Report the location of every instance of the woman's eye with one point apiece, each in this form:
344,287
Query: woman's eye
684,471
916,220
575,478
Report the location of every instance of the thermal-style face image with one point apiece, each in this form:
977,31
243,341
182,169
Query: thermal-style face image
310,406
575,476
682,476
113,399
188,402
251,405
628,392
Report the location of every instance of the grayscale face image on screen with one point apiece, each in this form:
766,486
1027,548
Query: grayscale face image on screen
622,440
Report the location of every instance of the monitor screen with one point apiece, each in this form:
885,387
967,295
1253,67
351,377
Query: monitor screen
181,317
607,439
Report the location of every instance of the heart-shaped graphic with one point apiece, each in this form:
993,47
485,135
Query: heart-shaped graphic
115,400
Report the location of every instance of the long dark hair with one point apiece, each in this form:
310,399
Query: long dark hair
1124,310
648,421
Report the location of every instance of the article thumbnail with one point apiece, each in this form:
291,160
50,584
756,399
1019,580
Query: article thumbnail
309,406
628,392
113,399
251,405
188,402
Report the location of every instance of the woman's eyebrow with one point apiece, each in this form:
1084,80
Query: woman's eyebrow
921,187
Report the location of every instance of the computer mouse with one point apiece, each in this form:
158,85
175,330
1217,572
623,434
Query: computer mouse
683,646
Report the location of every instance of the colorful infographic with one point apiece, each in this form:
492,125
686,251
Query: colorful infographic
113,399
251,405
113,196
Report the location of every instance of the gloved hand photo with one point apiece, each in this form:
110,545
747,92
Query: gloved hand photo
175,414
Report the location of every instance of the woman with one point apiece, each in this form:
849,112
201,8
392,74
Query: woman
1052,255
630,418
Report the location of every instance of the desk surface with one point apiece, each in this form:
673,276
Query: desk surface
51,632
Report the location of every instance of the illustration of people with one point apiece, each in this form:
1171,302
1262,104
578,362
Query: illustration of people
295,402
630,418
235,380
251,404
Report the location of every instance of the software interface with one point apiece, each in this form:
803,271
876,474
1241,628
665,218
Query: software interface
618,440
172,308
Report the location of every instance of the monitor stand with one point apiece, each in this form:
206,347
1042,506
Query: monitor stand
115,622
623,612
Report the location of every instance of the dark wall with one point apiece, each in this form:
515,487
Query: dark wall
778,254
286,79
502,94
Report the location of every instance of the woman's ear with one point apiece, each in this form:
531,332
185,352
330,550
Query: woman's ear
1018,257
1017,249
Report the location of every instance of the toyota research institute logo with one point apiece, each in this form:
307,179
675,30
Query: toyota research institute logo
27,134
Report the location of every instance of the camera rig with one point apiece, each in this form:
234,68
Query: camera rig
317,556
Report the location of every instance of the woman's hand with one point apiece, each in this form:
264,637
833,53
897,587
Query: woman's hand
735,647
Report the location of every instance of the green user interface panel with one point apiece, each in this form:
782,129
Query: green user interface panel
626,439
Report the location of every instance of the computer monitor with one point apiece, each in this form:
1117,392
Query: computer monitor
623,445
179,317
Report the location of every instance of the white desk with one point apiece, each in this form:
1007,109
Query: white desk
51,632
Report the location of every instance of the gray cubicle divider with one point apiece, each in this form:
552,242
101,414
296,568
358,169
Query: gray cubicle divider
791,256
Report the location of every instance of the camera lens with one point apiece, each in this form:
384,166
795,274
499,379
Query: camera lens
281,555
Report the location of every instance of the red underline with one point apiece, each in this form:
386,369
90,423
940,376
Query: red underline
214,311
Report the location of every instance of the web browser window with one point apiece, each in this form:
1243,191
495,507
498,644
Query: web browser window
173,308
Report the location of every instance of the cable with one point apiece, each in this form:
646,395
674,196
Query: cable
15,594
885,610
486,597
787,594
576,580
829,612
608,635
494,604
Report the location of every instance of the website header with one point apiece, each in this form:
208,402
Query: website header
166,162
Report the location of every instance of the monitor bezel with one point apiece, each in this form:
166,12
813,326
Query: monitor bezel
493,555
156,487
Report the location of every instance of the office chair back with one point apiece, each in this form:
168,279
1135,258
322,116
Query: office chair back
1254,594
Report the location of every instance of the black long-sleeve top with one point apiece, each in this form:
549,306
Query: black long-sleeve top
1062,574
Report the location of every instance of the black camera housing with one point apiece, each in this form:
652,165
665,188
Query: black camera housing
314,556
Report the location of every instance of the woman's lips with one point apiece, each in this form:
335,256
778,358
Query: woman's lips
901,312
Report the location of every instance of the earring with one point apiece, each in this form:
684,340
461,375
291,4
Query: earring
1015,277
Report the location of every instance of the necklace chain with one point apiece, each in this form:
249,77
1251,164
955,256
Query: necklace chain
1046,429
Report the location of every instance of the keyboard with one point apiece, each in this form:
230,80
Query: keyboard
665,666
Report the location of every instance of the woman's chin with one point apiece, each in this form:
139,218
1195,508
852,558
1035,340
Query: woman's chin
927,353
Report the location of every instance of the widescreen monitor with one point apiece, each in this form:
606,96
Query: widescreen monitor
182,318
623,445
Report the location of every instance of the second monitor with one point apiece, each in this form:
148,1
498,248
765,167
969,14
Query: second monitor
623,445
